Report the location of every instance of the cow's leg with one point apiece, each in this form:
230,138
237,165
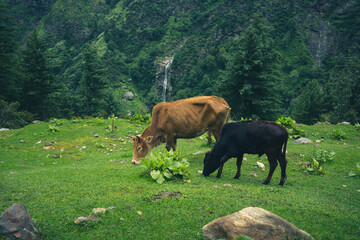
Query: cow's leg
169,142
209,138
273,164
174,144
283,162
222,161
238,164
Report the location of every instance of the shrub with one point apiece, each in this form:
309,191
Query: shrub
11,117
357,126
293,130
162,166
140,118
338,134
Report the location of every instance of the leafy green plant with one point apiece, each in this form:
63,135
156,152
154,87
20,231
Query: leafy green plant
99,145
56,122
338,134
356,172
76,119
287,122
162,166
140,118
99,121
323,156
242,119
111,128
319,157
53,128
357,126
293,130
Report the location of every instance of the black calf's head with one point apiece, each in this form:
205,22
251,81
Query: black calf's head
211,163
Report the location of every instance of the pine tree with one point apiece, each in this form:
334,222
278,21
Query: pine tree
308,106
249,80
9,89
92,82
39,80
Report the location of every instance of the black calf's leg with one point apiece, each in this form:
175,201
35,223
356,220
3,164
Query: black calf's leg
222,161
238,164
283,162
273,164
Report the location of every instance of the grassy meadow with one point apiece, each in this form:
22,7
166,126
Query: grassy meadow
62,172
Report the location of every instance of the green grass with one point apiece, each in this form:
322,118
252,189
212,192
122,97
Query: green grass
58,190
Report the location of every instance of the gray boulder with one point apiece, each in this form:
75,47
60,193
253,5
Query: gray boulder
302,140
255,223
129,96
15,222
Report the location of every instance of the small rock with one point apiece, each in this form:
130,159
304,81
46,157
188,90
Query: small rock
21,141
139,212
96,135
260,165
305,164
82,148
200,171
302,140
344,186
199,152
253,175
4,129
245,159
318,141
98,210
85,219
227,185
36,121
344,123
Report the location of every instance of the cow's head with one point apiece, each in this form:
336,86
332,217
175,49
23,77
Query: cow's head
211,163
141,147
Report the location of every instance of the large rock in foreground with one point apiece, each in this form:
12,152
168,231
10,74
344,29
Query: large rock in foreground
15,222
253,222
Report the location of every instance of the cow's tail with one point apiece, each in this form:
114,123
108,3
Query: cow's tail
284,147
227,115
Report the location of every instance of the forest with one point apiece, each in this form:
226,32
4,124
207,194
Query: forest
267,59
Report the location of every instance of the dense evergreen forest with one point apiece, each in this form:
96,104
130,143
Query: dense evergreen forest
66,58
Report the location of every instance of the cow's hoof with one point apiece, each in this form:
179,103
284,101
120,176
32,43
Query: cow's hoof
265,182
236,177
281,184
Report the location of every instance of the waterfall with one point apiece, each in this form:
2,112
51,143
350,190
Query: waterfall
166,79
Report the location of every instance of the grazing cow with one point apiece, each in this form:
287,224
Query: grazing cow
252,137
187,118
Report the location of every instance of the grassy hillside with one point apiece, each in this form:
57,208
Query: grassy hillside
63,174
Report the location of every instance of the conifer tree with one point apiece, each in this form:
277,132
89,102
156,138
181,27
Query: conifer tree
308,106
249,80
92,82
39,80
9,89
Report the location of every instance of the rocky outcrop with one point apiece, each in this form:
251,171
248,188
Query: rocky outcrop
16,222
253,222
163,77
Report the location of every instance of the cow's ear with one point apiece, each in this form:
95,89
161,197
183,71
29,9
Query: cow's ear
149,139
136,138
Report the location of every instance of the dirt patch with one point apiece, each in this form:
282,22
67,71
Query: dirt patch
166,195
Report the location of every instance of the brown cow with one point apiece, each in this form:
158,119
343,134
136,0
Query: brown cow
187,118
